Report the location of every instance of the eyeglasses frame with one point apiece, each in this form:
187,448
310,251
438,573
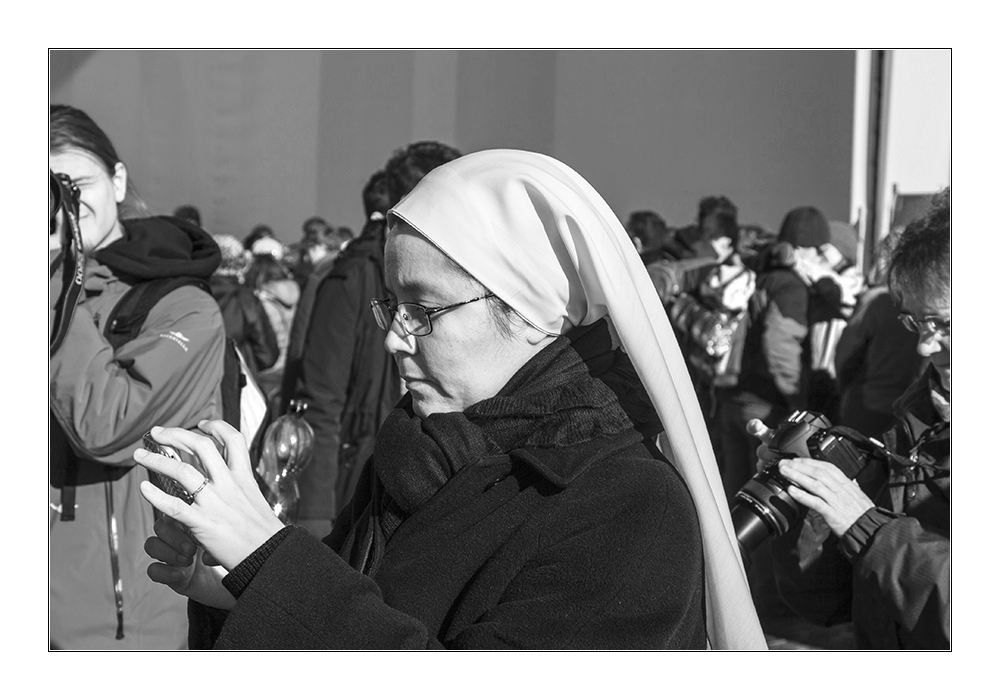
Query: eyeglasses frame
939,324
428,311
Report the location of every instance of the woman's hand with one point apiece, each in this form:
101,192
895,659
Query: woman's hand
185,568
822,487
229,516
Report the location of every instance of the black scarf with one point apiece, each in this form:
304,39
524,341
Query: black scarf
575,389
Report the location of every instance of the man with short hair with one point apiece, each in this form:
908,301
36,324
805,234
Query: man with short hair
344,374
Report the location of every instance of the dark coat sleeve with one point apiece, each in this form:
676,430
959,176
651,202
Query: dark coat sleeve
906,567
326,372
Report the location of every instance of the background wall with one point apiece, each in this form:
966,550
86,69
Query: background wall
277,136
918,126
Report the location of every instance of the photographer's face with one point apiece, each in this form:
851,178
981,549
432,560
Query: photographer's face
933,344
100,195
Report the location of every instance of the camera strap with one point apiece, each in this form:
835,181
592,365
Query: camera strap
871,445
73,263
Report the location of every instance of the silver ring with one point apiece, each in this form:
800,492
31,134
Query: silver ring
198,490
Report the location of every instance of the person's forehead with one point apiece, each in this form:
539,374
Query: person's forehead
74,162
416,265
921,305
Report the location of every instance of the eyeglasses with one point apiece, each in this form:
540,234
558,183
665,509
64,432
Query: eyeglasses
935,324
414,319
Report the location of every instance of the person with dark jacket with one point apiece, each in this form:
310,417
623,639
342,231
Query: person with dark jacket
103,399
344,374
243,314
877,551
516,496
775,366
875,359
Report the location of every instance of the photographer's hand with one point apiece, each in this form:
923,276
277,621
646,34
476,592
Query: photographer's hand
825,489
759,430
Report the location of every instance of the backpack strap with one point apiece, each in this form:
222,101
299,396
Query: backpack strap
67,470
130,312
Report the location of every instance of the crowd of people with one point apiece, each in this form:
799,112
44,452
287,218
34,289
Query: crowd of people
530,420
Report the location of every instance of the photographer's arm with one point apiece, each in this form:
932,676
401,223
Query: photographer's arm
168,375
897,559
907,567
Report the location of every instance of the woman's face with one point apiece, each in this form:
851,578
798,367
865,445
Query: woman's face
465,359
100,195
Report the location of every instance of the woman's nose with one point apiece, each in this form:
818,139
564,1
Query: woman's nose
398,341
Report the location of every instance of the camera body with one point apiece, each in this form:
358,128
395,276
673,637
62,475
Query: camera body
763,506
66,269
166,484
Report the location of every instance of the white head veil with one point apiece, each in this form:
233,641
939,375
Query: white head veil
538,236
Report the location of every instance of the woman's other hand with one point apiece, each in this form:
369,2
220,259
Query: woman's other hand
184,567
229,516
823,488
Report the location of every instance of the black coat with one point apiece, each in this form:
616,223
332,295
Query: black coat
556,542
246,322
344,374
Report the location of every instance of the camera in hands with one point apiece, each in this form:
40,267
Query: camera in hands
763,506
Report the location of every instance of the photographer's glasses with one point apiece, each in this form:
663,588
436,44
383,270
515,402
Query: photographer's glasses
934,324
414,319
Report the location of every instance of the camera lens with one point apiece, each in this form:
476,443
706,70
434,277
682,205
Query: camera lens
764,509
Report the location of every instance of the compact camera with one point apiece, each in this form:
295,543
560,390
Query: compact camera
165,483
763,506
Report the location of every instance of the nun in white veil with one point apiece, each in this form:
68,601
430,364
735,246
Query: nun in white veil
540,239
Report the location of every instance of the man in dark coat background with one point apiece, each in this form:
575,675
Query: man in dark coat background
346,377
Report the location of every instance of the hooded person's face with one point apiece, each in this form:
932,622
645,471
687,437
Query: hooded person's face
466,358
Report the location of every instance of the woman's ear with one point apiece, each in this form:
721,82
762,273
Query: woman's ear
533,336
120,182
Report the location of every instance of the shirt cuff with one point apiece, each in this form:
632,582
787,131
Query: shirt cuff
859,535
237,580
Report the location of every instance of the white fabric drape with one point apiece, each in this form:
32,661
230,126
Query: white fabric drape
542,239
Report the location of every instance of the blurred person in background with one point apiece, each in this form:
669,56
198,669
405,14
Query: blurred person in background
876,359
279,295
243,315
189,213
345,375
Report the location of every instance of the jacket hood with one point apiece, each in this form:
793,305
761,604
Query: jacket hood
161,246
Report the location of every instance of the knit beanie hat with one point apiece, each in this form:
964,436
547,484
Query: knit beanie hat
235,258
268,246
805,227
845,239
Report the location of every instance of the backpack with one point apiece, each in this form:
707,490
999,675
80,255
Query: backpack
243,403
708,314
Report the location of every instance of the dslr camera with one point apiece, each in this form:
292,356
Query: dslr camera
68,263
763,506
